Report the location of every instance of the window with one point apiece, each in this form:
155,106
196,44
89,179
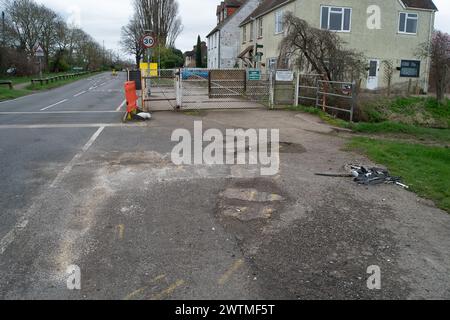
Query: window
408,23
336,19
260,27
244,34
410,69
272,63
252,31
279,25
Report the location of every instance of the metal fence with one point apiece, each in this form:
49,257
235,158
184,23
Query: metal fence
307,88
337,97
159,90
222,89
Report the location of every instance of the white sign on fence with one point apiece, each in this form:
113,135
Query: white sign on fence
284,76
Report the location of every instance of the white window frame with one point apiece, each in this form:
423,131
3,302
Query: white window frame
279,15
260,28
407,16
343,18
244,34
252,31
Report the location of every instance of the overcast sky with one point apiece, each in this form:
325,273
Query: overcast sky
103,19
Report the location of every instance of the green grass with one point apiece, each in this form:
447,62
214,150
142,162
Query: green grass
8,94
25,79
402,130
418,111
389,128
425,169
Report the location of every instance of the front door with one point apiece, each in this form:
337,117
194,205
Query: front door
374,72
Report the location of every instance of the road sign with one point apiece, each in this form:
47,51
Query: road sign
149,41
145,69
254,74
284,76
39,52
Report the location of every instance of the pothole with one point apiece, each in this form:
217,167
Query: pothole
251,195
247,204
288,147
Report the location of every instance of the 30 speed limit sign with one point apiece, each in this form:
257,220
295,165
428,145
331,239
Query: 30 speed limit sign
148,41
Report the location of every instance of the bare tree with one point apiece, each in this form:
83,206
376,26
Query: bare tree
48,32
27,23
438,50
160,16
321,51
131,39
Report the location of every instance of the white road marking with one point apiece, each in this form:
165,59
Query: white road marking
54,112
54,105
121,105
11,235
64,126
9,238
79,94
75,159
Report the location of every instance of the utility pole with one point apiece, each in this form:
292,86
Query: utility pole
3,28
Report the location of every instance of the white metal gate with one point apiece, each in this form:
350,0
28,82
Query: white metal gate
223,89
159,91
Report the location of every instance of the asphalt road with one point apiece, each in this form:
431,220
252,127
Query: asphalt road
79,187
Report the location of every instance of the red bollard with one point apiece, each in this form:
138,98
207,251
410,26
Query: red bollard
131,97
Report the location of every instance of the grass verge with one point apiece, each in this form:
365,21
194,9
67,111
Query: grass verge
8,94
417,111
400,129
395,129
425,169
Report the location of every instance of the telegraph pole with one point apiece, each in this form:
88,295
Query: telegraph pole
3,28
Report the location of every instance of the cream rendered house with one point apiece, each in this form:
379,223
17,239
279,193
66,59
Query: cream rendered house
381,29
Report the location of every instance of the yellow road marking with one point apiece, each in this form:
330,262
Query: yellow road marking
121,229
141,290
230,271
168,291
134,293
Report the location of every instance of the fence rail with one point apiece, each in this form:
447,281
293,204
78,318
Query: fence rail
58,78
337,96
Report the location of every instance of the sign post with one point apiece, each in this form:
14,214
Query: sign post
149,42
39,53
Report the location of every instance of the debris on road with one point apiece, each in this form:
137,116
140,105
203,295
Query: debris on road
144,115
367,176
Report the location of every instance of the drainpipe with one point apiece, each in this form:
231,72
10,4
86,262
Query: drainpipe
430,38
255,41
218,50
